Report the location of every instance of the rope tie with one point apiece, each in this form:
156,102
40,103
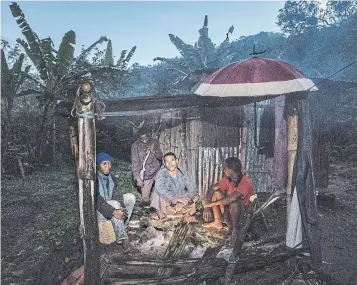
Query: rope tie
86,115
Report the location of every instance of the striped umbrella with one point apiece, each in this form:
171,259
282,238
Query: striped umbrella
255,77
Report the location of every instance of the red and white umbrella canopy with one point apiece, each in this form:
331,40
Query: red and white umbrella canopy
255,77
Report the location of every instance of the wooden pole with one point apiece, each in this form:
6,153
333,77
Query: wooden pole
86,183
243,147
74,143
292,133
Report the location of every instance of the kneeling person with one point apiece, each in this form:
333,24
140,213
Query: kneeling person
108,206
175,192
228,197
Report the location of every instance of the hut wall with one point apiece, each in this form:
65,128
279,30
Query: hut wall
192,135
221,128
210,165
256,165
181,133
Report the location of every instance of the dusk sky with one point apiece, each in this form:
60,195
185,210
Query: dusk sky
144,24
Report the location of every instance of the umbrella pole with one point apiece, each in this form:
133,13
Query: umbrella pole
292,122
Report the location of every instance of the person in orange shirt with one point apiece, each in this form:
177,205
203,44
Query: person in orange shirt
228,197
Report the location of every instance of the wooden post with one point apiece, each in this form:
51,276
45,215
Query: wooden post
243,139
292,133
74,143
86,184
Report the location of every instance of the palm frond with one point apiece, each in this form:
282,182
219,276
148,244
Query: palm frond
129,57
34,43
85,52
188,52
121,59
23,77
5,75
108,57
65,53
50,59
16,72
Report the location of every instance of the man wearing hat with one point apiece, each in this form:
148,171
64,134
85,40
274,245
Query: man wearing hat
108,206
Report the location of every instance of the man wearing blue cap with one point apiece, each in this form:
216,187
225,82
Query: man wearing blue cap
108,206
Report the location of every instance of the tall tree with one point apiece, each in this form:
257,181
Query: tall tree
12,79
56,69
297,16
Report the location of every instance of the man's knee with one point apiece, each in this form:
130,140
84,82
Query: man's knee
236,206
217,195
114,203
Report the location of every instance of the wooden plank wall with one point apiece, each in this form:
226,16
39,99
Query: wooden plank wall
210,165
181,133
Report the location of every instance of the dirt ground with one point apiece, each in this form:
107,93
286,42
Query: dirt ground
40,241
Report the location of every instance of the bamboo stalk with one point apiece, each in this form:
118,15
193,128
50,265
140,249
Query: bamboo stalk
200,182
205,172
216,170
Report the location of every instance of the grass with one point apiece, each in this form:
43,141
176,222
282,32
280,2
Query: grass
40,219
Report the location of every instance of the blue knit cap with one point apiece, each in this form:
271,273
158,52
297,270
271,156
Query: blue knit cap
102,156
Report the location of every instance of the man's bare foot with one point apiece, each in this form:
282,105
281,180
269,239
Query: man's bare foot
217,225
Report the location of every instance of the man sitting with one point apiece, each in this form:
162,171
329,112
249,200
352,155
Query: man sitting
228,197
175,192
107,195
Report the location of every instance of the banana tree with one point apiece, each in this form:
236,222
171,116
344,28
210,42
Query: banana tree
51,65
112,77
12,79
203,56
56,69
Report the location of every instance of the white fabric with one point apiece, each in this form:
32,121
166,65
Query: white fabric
118,225
255,89
294,230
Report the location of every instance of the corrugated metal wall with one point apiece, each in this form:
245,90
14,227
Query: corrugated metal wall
256,165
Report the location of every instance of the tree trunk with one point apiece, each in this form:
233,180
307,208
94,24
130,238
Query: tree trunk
86,182
39,139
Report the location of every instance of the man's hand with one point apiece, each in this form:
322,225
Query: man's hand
207,215
206,204
139,183
119,214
